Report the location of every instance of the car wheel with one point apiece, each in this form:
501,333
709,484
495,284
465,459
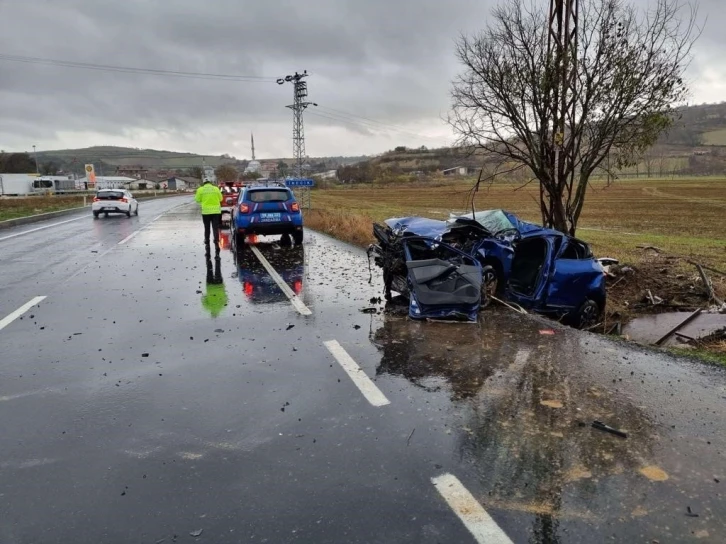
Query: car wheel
95,215
285,240
239,241
588,315
489,285
297,236
105,214
136,213
128,213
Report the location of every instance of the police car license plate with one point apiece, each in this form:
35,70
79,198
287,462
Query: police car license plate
270,217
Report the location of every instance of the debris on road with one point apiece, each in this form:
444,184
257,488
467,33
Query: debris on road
600,426
289,326
197,533
368,310
654,473
547,332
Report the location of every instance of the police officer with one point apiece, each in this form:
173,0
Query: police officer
210,197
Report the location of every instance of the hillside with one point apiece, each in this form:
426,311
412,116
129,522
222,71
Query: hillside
695,146
108,158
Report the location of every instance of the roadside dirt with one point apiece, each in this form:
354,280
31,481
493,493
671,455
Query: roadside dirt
661,283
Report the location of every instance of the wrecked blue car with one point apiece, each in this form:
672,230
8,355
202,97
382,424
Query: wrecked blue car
440,282
540,269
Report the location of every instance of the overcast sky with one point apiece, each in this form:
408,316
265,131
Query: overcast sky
387,61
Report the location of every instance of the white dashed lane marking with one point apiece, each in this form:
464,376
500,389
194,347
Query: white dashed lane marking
472,514
20,311
360,379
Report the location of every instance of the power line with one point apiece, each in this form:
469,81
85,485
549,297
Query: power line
368,119
370,126
134,70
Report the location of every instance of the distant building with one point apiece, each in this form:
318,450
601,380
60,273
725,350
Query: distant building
253,167
459,171
138,172
106,182
190,182
209,174
330,174
176,184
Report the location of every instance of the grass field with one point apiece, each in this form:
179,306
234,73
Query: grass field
715,137
684,217
12,208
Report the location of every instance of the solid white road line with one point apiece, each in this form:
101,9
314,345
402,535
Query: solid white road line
360,379
294,299
20,311
41,228
470,512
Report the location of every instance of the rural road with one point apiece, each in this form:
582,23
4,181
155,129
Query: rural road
141,404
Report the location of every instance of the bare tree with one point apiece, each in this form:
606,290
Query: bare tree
628,69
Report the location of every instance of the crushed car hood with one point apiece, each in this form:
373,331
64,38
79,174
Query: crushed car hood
418,226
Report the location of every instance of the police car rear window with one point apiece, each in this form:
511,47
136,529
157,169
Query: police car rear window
269,195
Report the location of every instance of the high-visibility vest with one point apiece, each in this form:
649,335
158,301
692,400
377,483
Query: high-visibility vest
210,197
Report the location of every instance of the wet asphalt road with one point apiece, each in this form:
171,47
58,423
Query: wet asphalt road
141,403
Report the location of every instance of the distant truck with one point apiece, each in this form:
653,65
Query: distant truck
32,184
16,184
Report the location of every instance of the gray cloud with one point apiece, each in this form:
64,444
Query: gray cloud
387,61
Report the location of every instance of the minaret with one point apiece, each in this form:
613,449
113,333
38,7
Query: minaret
253,145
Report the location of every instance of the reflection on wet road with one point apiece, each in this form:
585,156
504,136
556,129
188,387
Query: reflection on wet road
160,392
526,404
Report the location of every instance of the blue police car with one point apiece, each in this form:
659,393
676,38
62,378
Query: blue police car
269,209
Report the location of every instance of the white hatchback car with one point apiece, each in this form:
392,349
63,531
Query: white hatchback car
109,201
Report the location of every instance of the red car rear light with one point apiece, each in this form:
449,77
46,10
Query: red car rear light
248,289
124,200
96,199
297,286
295,207
244,208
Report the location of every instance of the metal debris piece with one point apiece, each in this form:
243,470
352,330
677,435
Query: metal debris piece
600,426
197,533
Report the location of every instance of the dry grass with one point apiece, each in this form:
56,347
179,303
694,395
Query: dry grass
12,208
354,228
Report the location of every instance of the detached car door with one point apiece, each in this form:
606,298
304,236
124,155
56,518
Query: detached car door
444,283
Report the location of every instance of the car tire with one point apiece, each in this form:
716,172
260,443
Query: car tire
105,215
587,315
95,215
128,213
489,285
297,236
239,241
285,240
136,213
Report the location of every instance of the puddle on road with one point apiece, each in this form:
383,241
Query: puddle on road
524,422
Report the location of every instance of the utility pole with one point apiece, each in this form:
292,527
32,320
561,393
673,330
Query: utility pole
299,105
37,168
252,136
562,53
